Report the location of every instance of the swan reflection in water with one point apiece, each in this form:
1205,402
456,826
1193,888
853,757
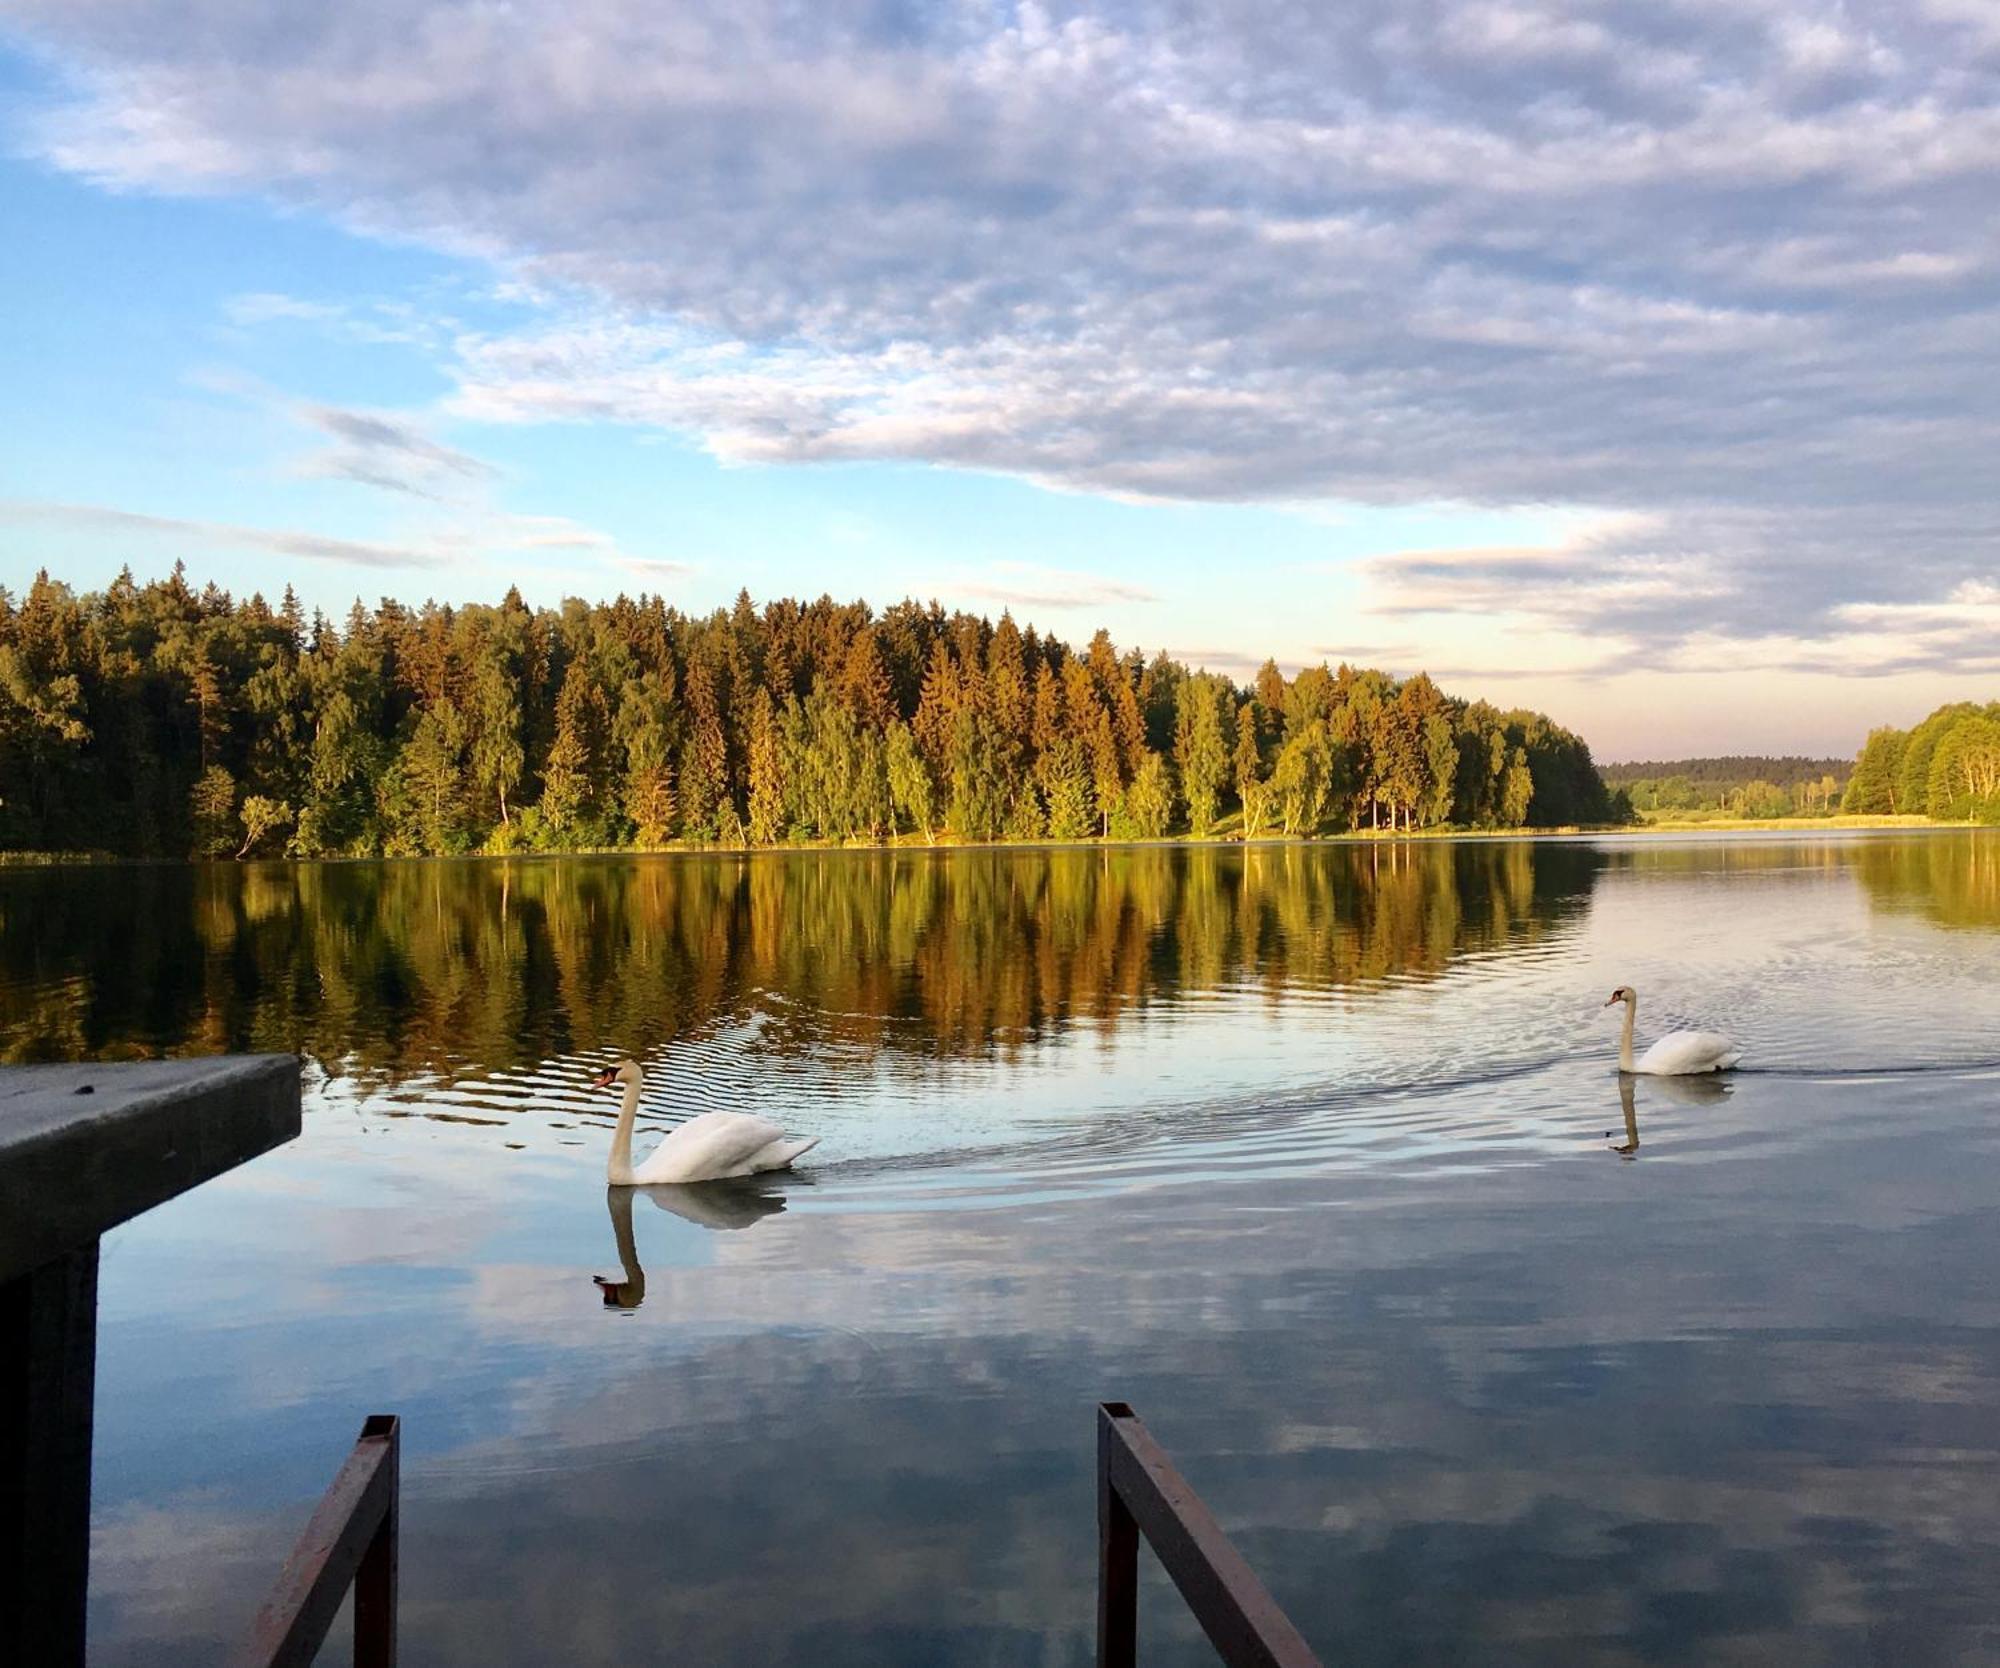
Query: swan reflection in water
717,1206
1689,1091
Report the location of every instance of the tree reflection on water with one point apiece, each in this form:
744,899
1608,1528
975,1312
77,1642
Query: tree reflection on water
379,970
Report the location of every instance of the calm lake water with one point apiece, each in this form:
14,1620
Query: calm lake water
1309,1152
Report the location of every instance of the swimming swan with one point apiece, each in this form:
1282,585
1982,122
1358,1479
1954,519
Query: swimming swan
712,1147
1678,1053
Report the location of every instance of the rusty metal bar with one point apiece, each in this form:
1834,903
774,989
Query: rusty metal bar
1140,1493
350,1542
1117,1559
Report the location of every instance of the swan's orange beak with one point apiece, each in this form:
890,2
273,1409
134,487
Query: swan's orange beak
604,1079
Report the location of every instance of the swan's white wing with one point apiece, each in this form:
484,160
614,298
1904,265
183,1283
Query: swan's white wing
708,1148
1682,1053
780,1153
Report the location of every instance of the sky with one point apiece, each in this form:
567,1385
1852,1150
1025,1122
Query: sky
1636,362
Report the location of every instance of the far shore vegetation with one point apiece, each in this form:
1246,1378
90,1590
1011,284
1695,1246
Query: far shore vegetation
1945,770
1738,788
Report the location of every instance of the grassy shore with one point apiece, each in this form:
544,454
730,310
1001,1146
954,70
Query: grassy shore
1227,833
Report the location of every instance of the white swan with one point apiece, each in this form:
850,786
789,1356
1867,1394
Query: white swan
712,1147
1678,1053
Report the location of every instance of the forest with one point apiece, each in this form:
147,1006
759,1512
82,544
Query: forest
1738,785
1946,768
162,720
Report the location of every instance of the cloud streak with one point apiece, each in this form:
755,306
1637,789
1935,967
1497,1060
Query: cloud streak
278,541
1728,267
1024,585
470,536
379,450
656,570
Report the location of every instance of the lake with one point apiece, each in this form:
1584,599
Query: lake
1314,1153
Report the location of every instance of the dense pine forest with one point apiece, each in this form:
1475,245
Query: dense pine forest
161,720
1947,767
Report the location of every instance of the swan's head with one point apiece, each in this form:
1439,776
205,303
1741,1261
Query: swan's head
626,1071
1624,993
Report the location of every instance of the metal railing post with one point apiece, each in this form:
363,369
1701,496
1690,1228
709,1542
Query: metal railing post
1140,1493
350,1542
375,1581
1117,1557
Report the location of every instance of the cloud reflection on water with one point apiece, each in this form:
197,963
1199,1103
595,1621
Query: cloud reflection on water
1568,1419
1446,1375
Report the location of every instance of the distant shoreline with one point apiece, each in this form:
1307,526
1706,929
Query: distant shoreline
1671,824
1352,837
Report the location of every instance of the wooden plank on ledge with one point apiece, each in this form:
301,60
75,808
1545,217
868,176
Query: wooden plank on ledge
86,1147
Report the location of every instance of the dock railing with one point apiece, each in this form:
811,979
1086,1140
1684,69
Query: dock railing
1140,1493
349,1542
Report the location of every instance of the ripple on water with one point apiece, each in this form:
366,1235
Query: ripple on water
1492,1052
892,1138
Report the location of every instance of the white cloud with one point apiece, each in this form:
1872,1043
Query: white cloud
392,451
1731,267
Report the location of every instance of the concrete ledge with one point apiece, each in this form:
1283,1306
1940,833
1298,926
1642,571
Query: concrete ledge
86,1147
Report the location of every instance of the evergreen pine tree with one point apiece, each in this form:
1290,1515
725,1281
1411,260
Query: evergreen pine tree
767,772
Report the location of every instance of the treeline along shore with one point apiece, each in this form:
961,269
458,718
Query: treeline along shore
1946,768
166,720
1751,786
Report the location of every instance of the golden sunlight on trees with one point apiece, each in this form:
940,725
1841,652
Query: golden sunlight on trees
157,720
1946,768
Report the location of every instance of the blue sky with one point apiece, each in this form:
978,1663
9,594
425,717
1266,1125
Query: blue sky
1634,363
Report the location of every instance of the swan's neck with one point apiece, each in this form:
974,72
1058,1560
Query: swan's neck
619,1171
1625,1036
